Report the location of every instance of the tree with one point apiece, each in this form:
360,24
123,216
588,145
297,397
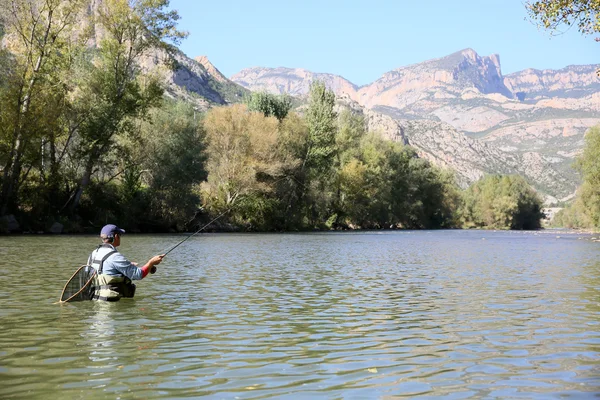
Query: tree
588,163
40,40
348,170
113,90
319,158
168,162
552,14
246,161
502,202
321,121
270,105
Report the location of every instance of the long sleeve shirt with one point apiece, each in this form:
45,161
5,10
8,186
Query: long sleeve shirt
117,265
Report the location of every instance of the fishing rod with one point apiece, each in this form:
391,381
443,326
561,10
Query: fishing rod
153,269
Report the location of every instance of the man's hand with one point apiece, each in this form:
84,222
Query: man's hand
150,266
156,260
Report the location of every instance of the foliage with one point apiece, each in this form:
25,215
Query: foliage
552,14
246,161
171,163
584,212
41,47
502,202
321,121
114,91
270,105
73,117
585,14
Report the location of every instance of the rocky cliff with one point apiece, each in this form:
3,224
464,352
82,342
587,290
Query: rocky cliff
295,82
572,81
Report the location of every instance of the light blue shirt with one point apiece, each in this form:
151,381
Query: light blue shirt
116,264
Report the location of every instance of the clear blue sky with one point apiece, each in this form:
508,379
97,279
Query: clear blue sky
361,40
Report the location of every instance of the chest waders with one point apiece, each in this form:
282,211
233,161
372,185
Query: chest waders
109,287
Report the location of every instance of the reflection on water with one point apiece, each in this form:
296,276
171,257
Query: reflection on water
449,314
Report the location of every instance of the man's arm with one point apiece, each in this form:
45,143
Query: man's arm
130,270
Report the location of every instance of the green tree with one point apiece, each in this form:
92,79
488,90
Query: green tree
347,169
270,105
588,163
502,202
40,42
168,162
319,158
321,121
113,90
552,14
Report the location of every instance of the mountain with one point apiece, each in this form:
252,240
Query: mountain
461,112
196,81
295,82
573,81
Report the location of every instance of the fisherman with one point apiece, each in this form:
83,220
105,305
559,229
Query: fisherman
115,272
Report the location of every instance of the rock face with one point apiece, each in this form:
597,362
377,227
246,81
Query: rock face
460,112
451,76
295,82
196,81
572,81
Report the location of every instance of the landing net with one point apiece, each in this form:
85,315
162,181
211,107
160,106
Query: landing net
79,287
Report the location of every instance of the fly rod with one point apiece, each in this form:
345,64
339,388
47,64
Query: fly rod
153,269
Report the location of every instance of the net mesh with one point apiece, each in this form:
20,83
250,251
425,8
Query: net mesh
79,287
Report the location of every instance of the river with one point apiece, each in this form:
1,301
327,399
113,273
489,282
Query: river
427,314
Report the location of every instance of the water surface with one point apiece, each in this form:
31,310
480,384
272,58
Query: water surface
427,314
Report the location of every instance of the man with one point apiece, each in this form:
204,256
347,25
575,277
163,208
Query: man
114,271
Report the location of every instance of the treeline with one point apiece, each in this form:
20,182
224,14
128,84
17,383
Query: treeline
88,137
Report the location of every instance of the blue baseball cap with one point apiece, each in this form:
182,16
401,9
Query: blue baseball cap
110,230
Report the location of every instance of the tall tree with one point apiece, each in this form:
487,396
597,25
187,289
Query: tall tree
163,165
319,158
39,37
113,91
321,121
245,162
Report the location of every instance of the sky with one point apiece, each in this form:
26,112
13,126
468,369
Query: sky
362,39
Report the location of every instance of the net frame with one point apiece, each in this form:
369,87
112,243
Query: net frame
83,287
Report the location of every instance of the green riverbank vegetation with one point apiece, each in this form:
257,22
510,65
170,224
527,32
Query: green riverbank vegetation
556,15
88,137
584,211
